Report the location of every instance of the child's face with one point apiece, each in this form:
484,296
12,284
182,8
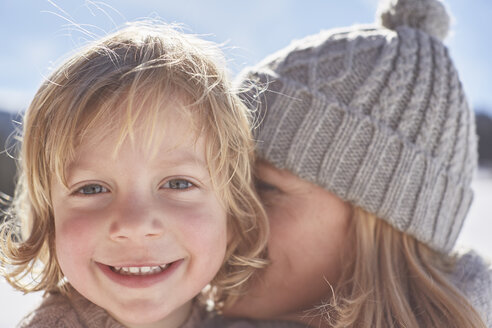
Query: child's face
139,234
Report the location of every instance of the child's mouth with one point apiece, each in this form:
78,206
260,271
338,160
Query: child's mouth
140,271
140,276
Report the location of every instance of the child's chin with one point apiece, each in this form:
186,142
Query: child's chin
142,316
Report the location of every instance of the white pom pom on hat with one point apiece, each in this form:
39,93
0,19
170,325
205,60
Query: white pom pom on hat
429,16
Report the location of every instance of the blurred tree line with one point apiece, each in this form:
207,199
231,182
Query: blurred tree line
484,131
7,164
7,142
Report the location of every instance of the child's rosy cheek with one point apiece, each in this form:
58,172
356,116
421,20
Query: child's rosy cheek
75,232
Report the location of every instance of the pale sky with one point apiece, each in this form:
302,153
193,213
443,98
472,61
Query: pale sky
37,34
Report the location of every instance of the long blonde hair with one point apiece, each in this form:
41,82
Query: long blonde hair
122,79
395,281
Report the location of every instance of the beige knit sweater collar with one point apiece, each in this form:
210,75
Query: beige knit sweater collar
75,311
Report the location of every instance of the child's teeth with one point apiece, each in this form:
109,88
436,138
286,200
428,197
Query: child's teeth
135,271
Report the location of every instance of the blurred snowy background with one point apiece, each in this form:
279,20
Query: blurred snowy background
37,34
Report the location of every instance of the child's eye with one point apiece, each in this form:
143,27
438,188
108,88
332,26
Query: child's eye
91,189
178,184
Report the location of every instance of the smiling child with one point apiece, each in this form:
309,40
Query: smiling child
135,190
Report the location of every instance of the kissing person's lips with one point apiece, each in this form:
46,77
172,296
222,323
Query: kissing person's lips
139,276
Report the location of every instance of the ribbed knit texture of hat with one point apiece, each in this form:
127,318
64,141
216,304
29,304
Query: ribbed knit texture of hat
377,116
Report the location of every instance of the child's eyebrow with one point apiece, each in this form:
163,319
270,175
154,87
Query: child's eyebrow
180,158
176,159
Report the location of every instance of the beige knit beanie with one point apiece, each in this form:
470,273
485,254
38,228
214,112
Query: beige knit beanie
377,115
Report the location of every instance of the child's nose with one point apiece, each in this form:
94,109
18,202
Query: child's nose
136,220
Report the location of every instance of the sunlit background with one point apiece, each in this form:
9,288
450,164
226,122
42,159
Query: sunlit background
37,34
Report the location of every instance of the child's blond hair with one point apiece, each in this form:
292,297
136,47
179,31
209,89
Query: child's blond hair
125,78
